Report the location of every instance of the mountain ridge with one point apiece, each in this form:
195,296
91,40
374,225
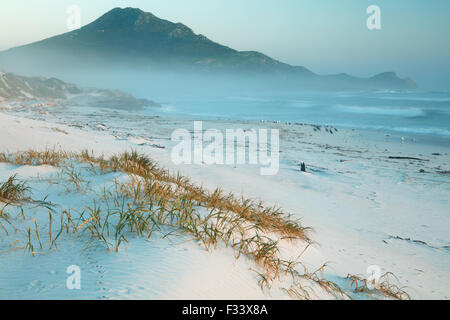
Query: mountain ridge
130,37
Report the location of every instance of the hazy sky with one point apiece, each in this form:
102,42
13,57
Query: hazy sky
327,36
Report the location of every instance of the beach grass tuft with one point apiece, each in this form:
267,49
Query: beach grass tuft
13,190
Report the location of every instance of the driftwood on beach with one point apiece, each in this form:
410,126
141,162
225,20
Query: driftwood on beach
407,158
303,167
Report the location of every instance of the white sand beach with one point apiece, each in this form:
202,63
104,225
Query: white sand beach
364,207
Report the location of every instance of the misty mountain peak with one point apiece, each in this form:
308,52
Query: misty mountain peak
134,20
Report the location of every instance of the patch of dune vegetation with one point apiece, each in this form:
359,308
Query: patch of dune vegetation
12,190
153,199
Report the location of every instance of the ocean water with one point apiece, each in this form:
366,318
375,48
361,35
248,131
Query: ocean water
422,113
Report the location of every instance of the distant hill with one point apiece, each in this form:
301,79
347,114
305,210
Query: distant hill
133,38
19,88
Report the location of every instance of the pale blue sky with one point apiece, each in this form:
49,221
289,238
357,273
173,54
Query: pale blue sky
327,36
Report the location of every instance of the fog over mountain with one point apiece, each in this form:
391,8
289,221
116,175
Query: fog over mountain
133,42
